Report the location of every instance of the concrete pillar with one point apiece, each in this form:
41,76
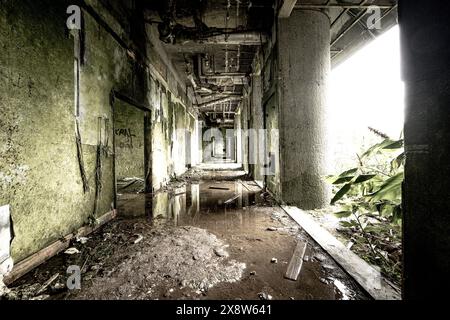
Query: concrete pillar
304,66
426,194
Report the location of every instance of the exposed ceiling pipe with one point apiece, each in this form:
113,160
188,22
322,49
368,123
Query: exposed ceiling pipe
215,102
238,38
218,96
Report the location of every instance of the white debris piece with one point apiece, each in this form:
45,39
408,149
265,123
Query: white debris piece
72,251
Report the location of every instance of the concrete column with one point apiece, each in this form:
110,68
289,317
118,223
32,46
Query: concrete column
304,66
426,195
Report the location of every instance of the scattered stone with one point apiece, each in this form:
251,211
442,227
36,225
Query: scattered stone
40,298
59,286
184,283
274,260
3,288
264,296
96,267
220,252
82,240
319,257
139,238
168,293
253,273
328,267
272,229
72,251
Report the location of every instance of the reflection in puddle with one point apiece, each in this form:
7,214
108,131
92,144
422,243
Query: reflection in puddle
186,204
232,211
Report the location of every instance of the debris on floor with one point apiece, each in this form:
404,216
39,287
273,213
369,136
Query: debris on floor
72,251
190,245
295,266
172,257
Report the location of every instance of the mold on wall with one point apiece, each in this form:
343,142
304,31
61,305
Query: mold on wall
41,104
129,138
38,158
172,111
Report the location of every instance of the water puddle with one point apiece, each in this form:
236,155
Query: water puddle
193,203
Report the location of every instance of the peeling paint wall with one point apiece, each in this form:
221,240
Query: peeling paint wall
40,171
172,116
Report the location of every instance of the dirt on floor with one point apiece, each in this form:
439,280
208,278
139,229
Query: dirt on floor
211,239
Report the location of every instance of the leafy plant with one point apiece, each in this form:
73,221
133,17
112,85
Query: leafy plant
369,201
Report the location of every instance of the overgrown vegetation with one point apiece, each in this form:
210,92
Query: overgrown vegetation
369,201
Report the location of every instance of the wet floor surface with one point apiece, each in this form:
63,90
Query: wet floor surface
205,240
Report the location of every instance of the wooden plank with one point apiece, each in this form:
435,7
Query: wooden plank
286,8
367,276
37,259
40,257
232,199
219,188
295,266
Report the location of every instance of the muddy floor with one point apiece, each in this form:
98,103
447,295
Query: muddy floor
210,235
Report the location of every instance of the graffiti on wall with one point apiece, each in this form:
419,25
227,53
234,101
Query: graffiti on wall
126,139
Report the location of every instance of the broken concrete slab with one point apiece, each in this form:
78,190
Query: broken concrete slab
295,266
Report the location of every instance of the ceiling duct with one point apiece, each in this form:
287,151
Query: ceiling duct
218,101
238,38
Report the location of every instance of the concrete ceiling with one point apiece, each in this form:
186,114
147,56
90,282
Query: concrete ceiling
218,66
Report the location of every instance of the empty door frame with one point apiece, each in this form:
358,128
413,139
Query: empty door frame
147,116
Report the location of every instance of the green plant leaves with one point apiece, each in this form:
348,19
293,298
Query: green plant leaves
387,144
398,162
364,178
397,215
341,193
386,209
344,177
343,214
391,190
347,224
348,173
394,145
343,180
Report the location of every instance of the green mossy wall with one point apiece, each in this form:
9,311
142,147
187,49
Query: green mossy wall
129,132
39,168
